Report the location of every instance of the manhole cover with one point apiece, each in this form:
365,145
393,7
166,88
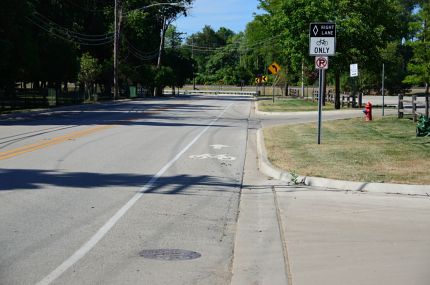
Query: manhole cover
169,254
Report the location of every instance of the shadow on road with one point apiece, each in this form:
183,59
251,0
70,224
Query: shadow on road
36,179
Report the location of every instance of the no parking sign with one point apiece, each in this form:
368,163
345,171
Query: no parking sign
321,62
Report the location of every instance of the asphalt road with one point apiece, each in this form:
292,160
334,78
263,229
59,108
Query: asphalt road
90,195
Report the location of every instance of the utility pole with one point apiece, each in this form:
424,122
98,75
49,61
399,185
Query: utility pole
425,56
117,30
192,57
160,50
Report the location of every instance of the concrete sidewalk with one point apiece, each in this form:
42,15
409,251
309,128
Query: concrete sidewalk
259,253
347,237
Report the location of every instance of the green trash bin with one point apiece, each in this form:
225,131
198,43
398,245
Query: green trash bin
133,92
52,97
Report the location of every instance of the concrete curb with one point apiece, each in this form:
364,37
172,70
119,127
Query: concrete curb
387,188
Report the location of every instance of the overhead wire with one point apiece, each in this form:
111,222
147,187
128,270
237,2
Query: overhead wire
48,21
66,34
144,56
208,49
71,3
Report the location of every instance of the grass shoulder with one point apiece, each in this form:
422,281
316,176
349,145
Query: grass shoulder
288,104
384,150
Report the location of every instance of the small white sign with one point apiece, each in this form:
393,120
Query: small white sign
353,70
321,62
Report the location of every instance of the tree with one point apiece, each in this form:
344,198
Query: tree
363,27
206,44
17,47
419,66
90,69
43,41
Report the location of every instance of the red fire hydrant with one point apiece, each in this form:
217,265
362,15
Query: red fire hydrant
368,111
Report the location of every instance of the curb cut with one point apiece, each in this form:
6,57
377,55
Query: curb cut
387,188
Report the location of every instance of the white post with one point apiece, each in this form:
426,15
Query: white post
383,89
303,79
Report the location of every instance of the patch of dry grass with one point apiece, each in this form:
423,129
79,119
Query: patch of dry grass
385,150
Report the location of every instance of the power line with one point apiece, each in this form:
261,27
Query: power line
45,20
235,45
71,3
144,56
68,36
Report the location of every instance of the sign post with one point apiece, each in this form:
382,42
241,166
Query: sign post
383,90
274,69
353,72
322,43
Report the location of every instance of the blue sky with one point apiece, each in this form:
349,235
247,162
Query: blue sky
232,14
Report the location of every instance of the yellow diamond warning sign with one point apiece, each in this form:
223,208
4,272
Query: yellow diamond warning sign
274,68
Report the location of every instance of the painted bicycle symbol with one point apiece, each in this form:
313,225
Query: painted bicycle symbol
322,42
222,157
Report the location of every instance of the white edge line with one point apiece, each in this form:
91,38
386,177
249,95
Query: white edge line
92,242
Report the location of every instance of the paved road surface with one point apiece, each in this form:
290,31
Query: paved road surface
94,188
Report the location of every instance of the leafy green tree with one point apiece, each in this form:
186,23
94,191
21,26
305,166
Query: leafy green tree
258,49
17,48
181,65
206,44
419,66
43,41
90,69
363,27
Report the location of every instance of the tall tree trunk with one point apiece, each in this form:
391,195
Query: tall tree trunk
158,91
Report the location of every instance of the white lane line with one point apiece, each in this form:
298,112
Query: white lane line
92,242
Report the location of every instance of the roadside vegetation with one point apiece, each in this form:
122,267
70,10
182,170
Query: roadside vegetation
48,44
285,104
384,150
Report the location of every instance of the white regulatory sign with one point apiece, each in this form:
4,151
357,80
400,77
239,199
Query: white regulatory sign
353,70
321,62
322,39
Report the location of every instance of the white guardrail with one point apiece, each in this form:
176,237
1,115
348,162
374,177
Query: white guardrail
217,92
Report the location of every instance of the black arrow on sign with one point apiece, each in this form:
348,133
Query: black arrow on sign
273,67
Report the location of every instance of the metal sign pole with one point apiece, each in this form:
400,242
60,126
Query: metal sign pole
383,89
320,101
322,43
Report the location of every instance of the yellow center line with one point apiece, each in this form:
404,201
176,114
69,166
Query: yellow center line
51,142
57,140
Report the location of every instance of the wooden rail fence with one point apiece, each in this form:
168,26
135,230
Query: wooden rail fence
411,106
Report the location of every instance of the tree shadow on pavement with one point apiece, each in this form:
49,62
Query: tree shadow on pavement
36,179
